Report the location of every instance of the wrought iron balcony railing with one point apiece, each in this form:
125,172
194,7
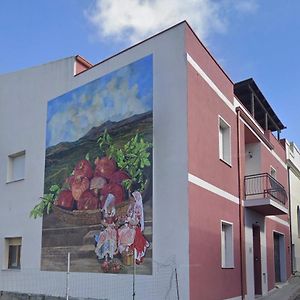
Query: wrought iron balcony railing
264,186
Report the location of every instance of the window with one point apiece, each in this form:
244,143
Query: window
13,252
273,172
224,141
16,166
227,255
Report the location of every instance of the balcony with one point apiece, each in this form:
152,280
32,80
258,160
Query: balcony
264,194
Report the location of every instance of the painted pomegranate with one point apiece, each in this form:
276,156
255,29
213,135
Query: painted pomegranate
65,199
115,267
115,189
79,186
88,201
105,266
105,167
96,184
69,180
118,177
83,169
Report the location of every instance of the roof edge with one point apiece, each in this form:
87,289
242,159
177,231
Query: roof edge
134,45
25,69
253,85
83,61
208,52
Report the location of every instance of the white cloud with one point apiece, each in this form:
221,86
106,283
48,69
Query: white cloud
248,6
134,20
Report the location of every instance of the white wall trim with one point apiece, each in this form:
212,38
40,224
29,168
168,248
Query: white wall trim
278,158
238,104
210,82
212,188
229,104
278,220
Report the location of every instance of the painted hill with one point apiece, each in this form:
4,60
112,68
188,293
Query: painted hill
61,158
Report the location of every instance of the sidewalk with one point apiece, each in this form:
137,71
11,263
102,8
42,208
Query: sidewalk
289,291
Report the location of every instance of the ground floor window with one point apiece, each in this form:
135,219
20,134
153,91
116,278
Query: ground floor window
13,252
227,251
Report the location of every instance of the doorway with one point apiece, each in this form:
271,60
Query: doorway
257,259
279,257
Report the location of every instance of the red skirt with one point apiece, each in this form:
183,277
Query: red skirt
140,244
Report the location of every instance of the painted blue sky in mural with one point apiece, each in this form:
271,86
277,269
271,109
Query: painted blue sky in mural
115,96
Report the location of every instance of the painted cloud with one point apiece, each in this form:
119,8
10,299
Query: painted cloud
115,96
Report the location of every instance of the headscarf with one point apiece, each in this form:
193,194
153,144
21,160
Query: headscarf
138,206
109,200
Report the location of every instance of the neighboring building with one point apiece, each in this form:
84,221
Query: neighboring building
293,162
266,201
215,202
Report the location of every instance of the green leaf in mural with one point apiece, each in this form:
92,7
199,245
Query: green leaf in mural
87,157
54,188
46,203
132,157
105,144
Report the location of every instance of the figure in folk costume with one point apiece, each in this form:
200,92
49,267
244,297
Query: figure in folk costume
107,240
136,217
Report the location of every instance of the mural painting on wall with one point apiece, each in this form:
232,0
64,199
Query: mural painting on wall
97,202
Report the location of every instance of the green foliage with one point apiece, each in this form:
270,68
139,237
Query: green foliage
87,156
105,144
45,206
136,157
57,170
132,158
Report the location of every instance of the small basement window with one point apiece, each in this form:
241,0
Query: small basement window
13,252
227,251
224,141
16,167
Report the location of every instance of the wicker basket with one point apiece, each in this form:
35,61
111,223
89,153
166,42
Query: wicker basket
78,217
127,258
87,217
122,208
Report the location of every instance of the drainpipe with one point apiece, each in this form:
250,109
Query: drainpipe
290,223
241,212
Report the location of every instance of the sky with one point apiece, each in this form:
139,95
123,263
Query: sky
249,38
112,97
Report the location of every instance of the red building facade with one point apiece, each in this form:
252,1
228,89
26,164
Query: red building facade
242,195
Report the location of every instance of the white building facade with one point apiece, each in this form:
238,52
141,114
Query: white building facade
23,100
293,162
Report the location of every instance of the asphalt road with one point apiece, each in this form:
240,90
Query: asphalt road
289,291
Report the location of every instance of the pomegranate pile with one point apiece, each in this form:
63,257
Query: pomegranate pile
89,185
